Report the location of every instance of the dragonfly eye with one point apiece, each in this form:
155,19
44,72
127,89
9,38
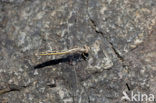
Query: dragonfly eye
85,56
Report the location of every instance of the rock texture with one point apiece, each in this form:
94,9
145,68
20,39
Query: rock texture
121,35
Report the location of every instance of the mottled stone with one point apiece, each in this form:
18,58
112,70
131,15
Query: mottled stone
120,34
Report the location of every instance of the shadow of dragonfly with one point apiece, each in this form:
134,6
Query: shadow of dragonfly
70,58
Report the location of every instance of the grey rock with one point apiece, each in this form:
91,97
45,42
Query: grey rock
120,34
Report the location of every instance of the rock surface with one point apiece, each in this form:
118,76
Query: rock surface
121,35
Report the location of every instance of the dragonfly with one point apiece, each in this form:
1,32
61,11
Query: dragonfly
84,49
75,54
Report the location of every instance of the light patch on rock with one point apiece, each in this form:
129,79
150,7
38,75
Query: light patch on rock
30,97
36,72
31,43
149,57
21,70
53,13
137,41
109,1
107,64
46,24
96,47
68,100
103,9
2,70
63,32
61,94
25,14
42,89
21,38
40,15
27,47
125,49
